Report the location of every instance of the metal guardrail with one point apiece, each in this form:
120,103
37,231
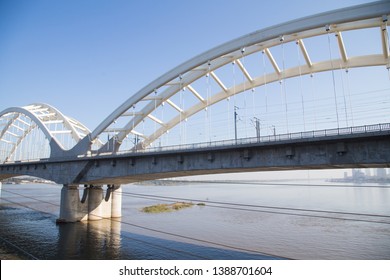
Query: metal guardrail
270,138
251,140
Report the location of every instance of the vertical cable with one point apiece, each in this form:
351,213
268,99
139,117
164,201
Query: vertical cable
234,94
254,111
265,85
349,96
185,118
314,99
300,87
228,117
333,77
162,119
283,85
244,93
155,106
181,108
208,121
385,21
344,99
132,127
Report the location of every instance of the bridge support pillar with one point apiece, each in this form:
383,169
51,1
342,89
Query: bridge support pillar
94,205
72,209
116,196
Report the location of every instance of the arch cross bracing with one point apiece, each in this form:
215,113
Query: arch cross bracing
56,131
128,118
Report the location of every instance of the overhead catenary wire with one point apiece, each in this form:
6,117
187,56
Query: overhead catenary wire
237,205
228,205
160,231
232,208
127,237
18,248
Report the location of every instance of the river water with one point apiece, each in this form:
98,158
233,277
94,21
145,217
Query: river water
268,220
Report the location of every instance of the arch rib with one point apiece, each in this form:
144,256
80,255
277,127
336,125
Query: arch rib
43,115
363,61
54,145
193,69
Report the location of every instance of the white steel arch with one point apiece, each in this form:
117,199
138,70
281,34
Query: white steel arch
159,92
61,132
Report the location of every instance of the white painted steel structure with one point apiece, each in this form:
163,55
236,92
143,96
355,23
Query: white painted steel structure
31,122
373,15
128,118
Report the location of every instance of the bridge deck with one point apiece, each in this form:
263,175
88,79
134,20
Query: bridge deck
368,146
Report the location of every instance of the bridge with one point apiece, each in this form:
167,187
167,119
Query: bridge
251,104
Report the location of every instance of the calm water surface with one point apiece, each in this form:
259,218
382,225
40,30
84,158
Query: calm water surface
238,221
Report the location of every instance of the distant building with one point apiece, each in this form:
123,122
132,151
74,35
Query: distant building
357,174
381,173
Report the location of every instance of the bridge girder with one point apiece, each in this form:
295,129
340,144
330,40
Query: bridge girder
360,150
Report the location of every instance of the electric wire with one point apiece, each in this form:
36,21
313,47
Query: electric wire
9,243
154,197
240,204
160,231
173,199
54,204
227,204
127,237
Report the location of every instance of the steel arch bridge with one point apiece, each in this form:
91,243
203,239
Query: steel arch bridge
56,131
40,131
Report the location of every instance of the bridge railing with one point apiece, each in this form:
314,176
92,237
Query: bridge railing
271,138
364,129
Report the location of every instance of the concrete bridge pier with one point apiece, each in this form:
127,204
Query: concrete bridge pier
116,197
72,209
95,204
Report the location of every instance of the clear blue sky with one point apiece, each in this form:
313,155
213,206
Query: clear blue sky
87,57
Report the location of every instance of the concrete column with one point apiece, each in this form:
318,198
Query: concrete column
106,204
95,204
71,209
116,206
95,199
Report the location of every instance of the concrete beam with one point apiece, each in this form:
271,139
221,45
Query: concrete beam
350,151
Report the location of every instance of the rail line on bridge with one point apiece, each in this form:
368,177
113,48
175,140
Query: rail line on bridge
274,139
